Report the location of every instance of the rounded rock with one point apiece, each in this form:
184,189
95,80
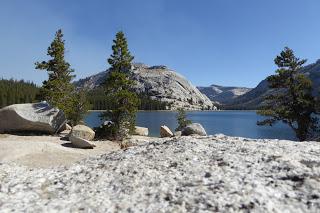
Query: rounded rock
142,131
82,131
165,132
194,129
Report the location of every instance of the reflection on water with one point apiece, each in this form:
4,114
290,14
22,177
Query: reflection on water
233,123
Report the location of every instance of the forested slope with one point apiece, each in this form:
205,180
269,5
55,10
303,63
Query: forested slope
16,92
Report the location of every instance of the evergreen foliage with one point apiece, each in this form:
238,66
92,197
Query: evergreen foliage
17,92
118,87
98,101
182,119
121,58
292,102
58,89
147,103
80,107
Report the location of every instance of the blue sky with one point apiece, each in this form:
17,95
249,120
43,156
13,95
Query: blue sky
226,42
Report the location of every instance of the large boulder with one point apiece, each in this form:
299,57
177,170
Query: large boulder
194,129
165,132
82,131
81,143
31,117
143,131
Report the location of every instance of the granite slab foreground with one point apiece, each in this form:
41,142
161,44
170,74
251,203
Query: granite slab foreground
183,174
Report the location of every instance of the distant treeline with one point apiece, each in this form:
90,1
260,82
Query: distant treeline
16,92
97,99
146,103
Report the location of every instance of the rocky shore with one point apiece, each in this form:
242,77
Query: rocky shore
181,174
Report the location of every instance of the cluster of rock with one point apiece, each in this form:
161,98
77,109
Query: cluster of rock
191,129
81,137
179,174
42,118
160,83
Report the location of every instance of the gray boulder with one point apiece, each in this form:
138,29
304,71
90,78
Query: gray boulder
165,132
81,143
31,117
142,131
194,129
82,131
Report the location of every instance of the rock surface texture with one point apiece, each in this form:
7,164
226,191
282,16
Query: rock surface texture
185,174
82,131
37,117
194,129
159,83
165,132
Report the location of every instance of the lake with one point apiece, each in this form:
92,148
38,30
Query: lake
232,123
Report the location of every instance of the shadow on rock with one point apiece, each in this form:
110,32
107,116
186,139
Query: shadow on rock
70,145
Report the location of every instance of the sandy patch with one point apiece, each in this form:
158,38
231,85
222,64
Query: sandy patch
47,151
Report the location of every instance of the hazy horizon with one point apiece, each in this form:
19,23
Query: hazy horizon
228,43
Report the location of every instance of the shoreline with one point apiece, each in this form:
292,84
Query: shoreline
225,110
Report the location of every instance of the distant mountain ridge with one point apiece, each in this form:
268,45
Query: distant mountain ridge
167,85
160,83
255,97
223,94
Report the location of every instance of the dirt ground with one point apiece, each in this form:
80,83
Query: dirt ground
47,151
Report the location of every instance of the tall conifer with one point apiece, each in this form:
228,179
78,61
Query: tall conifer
292,101
58,89
121,58
118,88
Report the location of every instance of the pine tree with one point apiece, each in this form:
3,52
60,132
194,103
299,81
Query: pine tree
58,89
121,58
292,101
80,107
123,103
182,119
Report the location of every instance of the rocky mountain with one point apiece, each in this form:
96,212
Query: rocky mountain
159,83
223,94
255,97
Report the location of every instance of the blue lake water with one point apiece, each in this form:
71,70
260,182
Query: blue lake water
232,123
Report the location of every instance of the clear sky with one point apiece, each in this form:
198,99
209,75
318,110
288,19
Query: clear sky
226,42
